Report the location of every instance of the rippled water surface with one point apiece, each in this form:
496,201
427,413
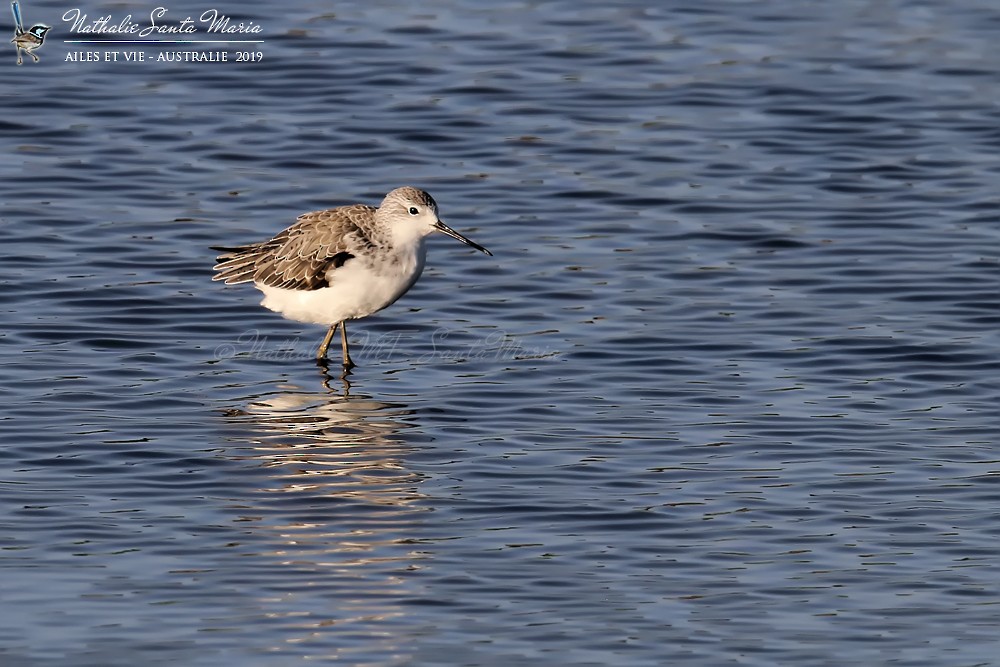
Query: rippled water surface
726,393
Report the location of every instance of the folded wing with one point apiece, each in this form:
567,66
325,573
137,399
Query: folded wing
300,257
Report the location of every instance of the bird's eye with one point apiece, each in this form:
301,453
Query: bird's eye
413,210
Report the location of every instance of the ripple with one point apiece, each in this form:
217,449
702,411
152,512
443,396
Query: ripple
724,394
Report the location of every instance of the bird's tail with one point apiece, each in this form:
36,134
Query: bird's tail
237,264
18,24
231,249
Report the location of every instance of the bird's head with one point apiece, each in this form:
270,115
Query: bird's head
412,214
39,30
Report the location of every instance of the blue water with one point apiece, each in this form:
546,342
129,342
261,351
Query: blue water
725,395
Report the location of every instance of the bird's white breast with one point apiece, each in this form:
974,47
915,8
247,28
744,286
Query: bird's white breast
364,285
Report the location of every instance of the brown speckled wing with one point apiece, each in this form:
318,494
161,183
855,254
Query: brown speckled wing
300,257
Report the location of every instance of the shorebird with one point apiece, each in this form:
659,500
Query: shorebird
342,263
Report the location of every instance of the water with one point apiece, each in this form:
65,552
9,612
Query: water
725,395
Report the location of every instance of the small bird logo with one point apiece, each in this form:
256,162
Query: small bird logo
26,40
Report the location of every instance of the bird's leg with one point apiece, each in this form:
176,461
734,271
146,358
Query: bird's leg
321,352
33,56
18,49
348,363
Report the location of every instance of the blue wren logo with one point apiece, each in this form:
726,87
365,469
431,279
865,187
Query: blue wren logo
26,40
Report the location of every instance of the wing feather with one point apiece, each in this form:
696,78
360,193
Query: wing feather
300,257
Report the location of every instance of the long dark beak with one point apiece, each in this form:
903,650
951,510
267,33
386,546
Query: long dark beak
445,229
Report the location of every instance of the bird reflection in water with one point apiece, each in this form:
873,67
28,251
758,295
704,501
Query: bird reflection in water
337,513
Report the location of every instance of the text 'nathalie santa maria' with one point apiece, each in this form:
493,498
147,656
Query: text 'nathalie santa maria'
210,21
